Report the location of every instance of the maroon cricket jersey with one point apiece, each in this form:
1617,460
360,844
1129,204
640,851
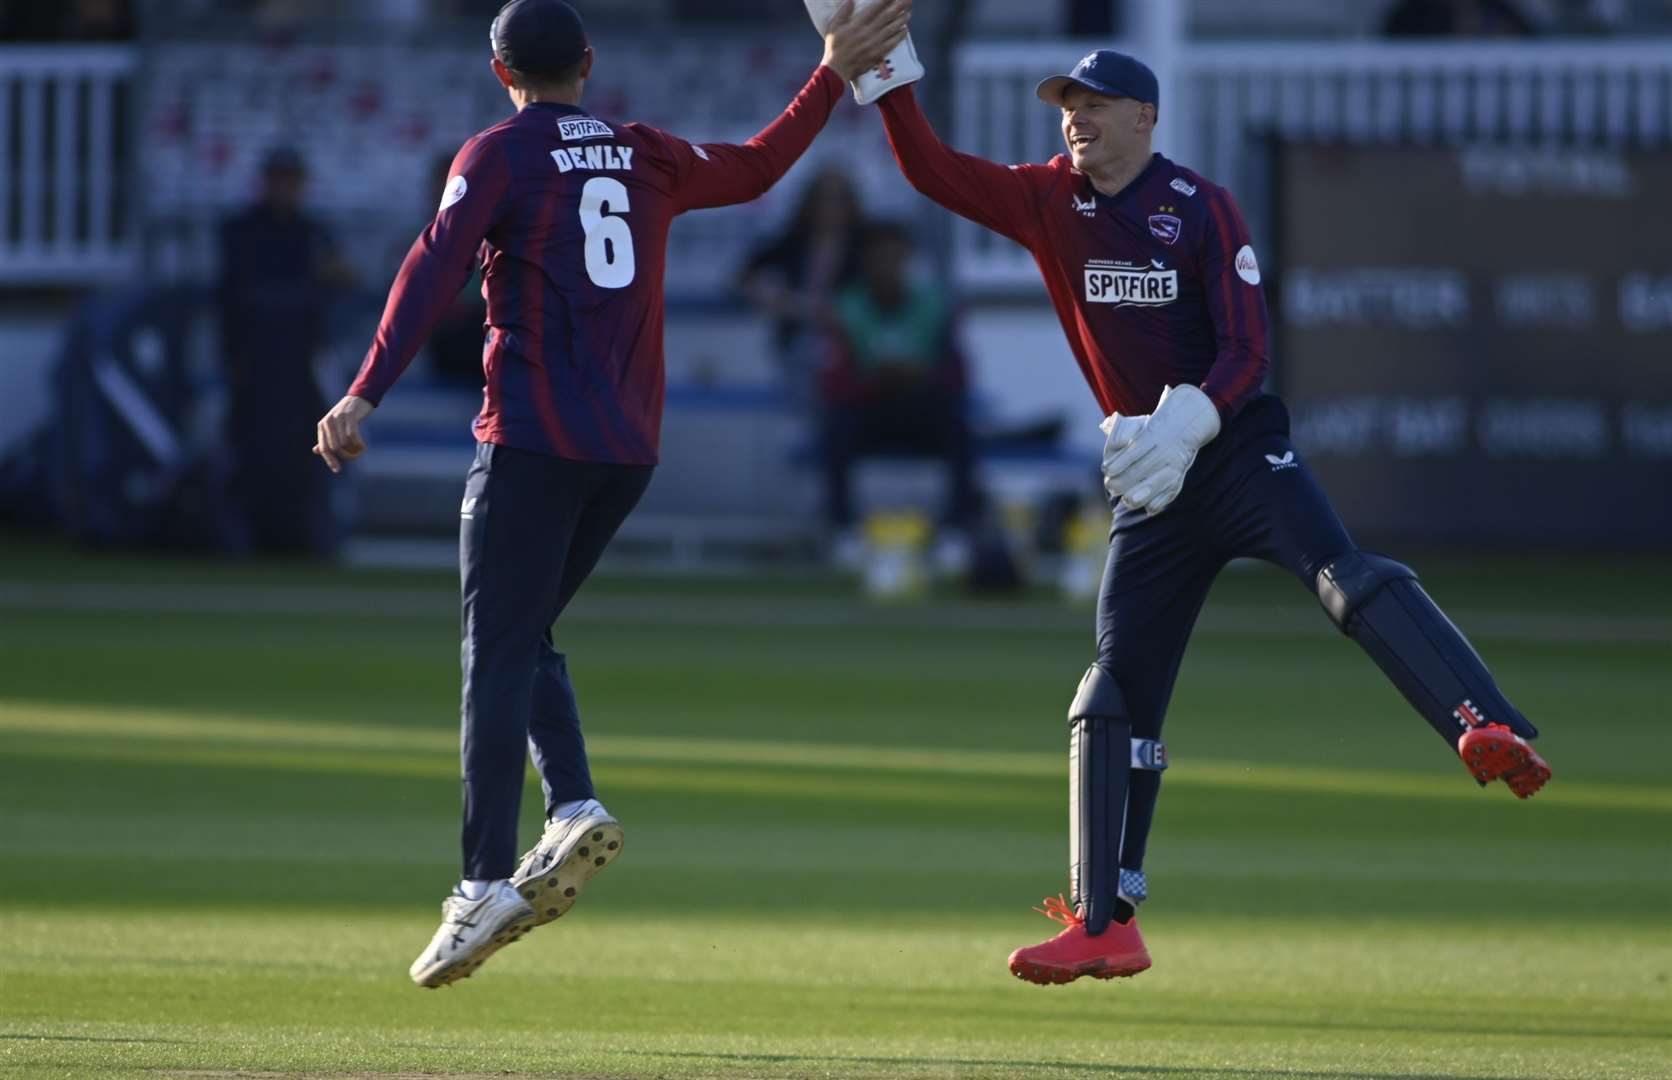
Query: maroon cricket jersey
1155,286
570,216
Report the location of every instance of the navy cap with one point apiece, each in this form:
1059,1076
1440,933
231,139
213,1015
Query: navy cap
538,37
1107,72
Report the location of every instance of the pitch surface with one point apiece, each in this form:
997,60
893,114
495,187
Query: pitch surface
229,800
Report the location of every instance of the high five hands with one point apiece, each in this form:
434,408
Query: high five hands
857,39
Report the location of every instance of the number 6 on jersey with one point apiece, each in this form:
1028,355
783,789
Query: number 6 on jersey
609,242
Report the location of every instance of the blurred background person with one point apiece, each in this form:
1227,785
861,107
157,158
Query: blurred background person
279,272
1455,18
894,382
75,20
793,277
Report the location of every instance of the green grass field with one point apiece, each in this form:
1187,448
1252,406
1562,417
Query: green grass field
228,801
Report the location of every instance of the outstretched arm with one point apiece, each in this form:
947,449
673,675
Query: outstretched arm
720,174
996,196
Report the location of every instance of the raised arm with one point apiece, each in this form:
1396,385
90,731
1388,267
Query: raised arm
999,197
720,174
1231,277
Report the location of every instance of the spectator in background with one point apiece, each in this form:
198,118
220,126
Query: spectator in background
1455,18
1090,18
1583,17
793,277
895,381
279,272
58,20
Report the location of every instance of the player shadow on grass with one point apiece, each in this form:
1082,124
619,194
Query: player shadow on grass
1113,1070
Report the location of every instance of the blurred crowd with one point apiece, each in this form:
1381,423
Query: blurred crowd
115,20
864,329
864,335
867,342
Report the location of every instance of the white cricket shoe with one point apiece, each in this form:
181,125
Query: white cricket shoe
471,931
571,850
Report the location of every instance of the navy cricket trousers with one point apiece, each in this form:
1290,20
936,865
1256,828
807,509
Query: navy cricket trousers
531,529
1247,495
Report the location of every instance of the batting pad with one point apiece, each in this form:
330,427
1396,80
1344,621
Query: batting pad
901,67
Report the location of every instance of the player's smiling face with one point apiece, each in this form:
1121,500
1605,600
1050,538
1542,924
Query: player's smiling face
1101,130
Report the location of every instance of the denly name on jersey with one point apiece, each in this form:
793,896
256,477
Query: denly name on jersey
597,158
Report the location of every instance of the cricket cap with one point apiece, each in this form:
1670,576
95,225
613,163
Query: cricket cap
1107,72
538,37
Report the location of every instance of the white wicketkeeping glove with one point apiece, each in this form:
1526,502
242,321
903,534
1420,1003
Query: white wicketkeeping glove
900,67
1121,431
1148,473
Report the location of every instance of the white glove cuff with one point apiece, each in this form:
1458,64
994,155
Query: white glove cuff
901,67
1186,414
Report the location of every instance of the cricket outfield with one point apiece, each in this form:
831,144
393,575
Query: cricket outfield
229,800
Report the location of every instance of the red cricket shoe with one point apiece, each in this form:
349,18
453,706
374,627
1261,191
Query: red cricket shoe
1492,752
1116,952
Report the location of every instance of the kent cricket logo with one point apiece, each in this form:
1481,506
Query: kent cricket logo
1109,282
1165,225
456,188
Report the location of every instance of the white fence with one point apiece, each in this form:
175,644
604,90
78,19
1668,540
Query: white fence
66,164
1230,96
70,199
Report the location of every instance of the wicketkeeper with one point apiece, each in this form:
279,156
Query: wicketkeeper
1157,286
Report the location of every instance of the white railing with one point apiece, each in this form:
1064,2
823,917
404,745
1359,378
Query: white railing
1232,95
66,164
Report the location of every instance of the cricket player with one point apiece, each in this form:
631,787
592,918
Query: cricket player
1157,286
570,215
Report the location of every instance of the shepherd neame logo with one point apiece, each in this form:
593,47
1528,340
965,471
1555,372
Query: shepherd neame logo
1111,284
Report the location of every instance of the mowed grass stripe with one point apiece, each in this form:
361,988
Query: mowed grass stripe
645,997
1603,978
991,854
419,751
708,612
